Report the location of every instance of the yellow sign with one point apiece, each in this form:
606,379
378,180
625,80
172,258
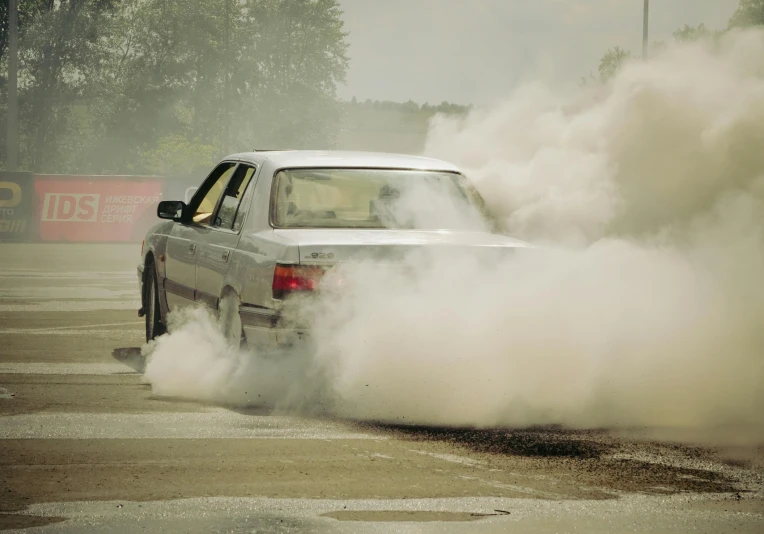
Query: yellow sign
15,199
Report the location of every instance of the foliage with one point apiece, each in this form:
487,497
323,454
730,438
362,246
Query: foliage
391,126
425,109
109,86
612,62
58,49
692,33
291,89
57,57
748,13
145,86
176,155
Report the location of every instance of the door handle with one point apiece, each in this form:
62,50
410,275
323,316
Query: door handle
226,253
192,248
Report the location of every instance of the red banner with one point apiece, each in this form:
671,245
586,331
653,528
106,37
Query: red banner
94,208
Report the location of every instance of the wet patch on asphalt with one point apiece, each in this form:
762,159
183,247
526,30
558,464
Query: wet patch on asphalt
595,458
542,442
388,516
20,521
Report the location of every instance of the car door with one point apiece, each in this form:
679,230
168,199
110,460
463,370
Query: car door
183,242
218,242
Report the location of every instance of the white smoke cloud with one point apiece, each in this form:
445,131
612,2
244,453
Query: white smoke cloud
195,361
644,308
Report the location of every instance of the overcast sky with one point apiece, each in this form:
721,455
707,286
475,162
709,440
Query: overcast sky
475,51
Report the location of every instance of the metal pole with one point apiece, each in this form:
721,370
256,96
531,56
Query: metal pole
645,28
226,89
11,140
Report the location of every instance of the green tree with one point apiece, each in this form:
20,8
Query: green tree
59,52
748,13
163,77
58,48
115,85
612,62
235,74
692,33
176,155
288,77
28,11
57,45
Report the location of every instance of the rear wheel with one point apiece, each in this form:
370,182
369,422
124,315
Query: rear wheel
230,321
154,326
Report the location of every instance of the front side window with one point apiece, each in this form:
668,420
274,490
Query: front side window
374,198
230,206
211,191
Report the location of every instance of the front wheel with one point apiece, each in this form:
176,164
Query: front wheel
154,326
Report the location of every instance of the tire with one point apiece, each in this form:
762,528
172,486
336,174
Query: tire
154,325
230,321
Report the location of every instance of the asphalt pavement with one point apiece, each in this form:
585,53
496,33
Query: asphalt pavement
85,446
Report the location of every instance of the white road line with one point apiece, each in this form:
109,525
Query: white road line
38,368
71,306
71,291
62,328
28,273
452,458
93,332
210,424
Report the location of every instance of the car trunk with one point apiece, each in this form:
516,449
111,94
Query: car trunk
327,246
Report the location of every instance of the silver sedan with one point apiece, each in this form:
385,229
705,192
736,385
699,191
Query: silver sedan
265,225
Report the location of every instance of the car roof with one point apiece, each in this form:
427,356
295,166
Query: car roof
343,159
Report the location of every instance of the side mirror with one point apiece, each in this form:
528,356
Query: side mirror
171,209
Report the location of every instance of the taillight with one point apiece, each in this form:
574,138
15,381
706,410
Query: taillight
143,244
289,278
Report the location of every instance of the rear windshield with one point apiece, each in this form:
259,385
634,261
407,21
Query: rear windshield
375,198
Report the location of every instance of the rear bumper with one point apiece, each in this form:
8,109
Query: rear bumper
265,329
267,339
